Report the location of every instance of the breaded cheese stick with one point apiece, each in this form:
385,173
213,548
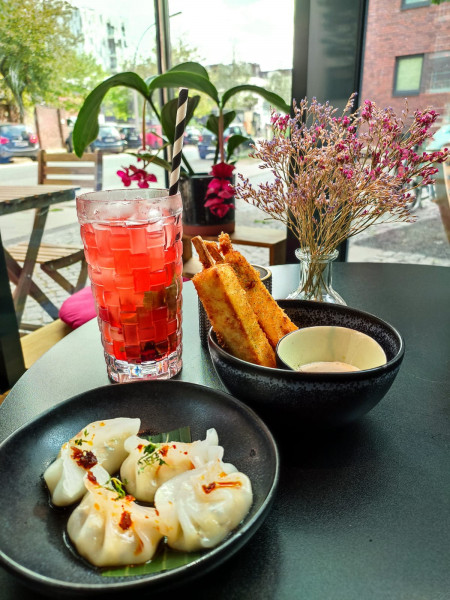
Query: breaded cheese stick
273,320
229,311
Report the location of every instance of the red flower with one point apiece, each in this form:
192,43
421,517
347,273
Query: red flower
139,175
220,189
124,175
218,207
214,187
222,170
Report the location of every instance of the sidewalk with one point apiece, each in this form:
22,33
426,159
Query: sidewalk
423,242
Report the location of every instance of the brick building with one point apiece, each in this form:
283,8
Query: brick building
407,55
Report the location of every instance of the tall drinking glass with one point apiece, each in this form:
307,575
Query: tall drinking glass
133,246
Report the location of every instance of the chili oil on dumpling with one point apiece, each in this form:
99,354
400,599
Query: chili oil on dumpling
199,508
110,531
99,443
150,465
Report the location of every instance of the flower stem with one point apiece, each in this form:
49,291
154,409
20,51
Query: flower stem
143,127
220,137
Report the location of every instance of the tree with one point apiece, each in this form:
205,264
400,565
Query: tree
68,84
38,57
282,82
182,52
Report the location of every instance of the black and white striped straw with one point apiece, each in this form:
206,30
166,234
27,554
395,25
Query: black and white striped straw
180,126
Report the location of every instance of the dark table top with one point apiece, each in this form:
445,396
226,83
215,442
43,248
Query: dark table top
14,198
362,512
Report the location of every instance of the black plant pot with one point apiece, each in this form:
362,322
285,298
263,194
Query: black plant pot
198,219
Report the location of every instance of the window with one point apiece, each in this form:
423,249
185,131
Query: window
408,75
414,3
436,73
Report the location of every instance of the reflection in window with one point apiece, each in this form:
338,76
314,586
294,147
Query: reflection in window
408,74
436,73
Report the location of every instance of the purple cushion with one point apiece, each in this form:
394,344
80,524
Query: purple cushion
78,308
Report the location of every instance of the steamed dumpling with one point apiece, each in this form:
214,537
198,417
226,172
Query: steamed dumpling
99,443
149,465
109,530
199,508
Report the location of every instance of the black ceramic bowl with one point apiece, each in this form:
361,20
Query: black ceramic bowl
284,397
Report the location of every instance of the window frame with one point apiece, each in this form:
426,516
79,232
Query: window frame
414,92
417,4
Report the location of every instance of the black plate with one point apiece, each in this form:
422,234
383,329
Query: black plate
31,536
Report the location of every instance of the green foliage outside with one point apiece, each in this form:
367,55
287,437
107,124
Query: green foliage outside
38,59
40,63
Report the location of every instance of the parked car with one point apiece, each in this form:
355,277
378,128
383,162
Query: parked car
207,141
108,140
17,140
131,135
192,135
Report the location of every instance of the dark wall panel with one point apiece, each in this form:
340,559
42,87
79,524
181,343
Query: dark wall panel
328,53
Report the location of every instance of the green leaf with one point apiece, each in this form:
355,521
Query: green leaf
234,142
169,115
191,67
175,79
86,126
213,121
182,434
165,560
154,159
273,99
149,79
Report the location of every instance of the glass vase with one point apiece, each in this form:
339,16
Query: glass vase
316,278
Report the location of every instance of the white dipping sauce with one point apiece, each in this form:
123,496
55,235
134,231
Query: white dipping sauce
327,367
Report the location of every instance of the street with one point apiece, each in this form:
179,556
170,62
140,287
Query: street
24,171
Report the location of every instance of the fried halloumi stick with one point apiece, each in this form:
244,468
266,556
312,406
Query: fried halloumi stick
273,320
214,251
229,311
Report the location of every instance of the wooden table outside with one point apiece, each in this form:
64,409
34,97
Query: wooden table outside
15,199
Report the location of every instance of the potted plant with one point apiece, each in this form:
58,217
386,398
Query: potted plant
207,198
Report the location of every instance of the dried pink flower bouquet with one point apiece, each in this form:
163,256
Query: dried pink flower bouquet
334,176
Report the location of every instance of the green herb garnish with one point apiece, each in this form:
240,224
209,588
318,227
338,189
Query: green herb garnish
117,486
151,456
79,441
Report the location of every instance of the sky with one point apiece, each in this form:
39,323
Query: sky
221,30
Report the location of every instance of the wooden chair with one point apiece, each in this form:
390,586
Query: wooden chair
272,239
87,172
64,169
